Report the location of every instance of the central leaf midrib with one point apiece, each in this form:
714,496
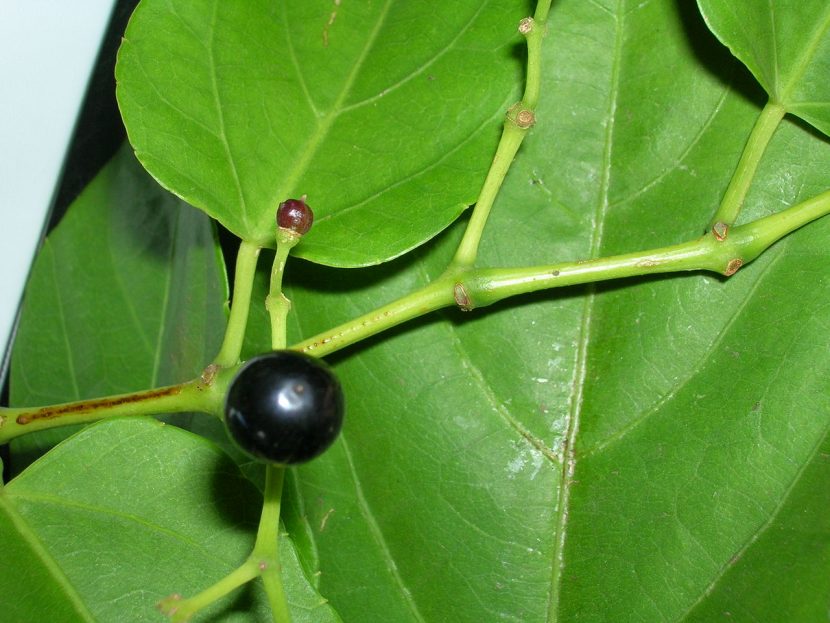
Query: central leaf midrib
70,359
221,115
312,145
581,363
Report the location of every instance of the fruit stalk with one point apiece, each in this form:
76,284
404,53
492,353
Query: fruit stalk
276,303
294,219
266,549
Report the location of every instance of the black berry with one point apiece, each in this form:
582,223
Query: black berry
294,214
284,407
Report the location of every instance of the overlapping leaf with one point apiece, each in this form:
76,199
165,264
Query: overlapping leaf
116,528
238,106
786,45
127,293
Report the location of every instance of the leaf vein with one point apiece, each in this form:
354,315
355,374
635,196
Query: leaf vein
34,542
424,66
776,255
581,364
445,155
309,149
70,360
822,26
223,136
377,534
679,160
764,527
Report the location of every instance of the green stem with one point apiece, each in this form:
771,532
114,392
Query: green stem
520,118
276,303
534,31
466,289
246,261
266,549
436,295
756,145
511,139
202,395
472,288
181,610
487,286
263,561
542,9
756,237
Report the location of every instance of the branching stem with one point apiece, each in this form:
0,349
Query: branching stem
264,558
520,118
756,145
266,548
465,288
263,561
473,288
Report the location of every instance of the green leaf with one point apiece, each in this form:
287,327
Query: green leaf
127,293
238,106
42,591
653,449
629,452
786,45
117,530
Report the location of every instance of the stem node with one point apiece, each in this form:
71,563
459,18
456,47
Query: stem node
733,266
759,138
521,116
208,375
720,230
462,298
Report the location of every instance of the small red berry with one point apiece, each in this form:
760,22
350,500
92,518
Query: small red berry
294,214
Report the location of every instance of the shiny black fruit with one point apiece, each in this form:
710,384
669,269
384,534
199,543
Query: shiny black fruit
284,407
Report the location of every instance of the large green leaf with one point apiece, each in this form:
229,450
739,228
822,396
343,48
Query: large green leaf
116,529
236,106
639,451
648,450
786,45
127,293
